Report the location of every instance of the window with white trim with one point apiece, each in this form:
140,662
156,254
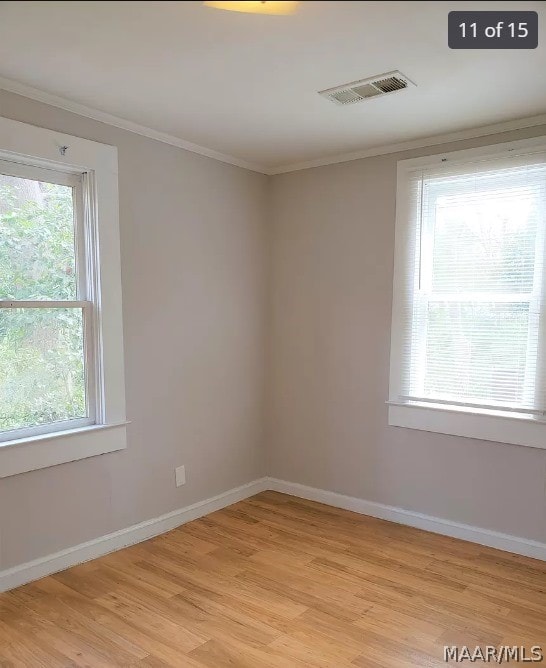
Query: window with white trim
469,310
62,388
47,343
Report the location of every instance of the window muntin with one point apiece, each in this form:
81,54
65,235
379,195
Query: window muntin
476,303
46,319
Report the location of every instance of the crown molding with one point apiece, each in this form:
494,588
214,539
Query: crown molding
122,123
89,112
483,131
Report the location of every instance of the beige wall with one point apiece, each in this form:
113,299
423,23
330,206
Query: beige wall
332,264
194,292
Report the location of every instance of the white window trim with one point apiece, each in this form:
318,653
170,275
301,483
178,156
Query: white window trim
498,426
98,165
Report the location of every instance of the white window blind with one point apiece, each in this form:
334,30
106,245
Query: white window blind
473,316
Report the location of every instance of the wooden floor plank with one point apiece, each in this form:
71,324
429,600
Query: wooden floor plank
276,581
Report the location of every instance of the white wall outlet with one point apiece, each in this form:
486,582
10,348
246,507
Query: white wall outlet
180,472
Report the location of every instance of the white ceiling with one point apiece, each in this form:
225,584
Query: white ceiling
246,85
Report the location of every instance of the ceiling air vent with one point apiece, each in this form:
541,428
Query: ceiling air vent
357,91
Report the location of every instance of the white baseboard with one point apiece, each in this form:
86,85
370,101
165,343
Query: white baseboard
500,541
53,563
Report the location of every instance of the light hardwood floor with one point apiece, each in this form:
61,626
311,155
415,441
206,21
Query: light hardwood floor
277,581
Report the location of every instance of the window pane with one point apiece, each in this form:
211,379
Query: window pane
477,352
485,236
42,376
37,257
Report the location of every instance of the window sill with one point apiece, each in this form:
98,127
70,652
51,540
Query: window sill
494,426
38,452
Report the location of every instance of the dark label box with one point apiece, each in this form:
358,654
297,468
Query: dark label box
492,30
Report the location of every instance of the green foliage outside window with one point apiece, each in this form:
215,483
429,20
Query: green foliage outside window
41,349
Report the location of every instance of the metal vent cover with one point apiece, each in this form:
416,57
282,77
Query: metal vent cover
357,91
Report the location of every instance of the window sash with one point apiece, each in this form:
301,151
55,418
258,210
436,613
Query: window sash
418,356
48,428
421,197
89,370
470,404
23,170
424,294
86,291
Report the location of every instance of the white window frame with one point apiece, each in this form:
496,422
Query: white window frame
490,425
87,275
92,168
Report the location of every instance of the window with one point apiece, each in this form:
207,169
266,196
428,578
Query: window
468,339
47,348
61,348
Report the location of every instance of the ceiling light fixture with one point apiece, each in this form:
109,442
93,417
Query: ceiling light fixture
264,7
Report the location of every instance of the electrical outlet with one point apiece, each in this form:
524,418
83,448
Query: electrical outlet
180,472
